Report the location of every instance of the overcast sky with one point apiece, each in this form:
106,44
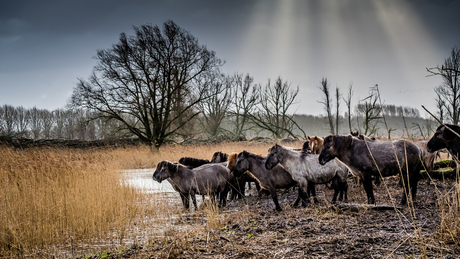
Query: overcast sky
46,45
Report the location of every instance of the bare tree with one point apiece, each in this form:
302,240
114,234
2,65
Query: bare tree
151,82
369,111
36,122
48,122
7,119
244,100
272,115
326,101
337,113
22,119
215,108
449,91
348,104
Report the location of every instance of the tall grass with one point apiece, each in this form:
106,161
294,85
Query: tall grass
63,197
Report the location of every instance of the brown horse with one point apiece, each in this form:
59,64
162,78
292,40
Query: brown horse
270,180
316,144
239,182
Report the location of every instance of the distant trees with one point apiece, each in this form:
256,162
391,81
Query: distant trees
151,82
448,93
20,122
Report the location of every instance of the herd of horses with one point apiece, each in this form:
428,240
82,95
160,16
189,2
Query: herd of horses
320,161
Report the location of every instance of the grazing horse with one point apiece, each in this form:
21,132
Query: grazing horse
208,179
316,144
444,138
373,158
271,180
305,168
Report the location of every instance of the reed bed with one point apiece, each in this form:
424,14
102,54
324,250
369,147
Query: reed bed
71,197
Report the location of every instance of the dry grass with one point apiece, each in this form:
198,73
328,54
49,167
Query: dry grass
68,197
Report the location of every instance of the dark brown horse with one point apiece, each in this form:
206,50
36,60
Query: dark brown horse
192,162
208,179
271,180
374,158
445,138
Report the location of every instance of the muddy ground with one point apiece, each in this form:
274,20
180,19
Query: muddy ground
252,229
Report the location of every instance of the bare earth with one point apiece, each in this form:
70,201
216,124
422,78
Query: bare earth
252,229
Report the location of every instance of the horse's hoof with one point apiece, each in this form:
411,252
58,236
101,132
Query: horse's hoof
279,209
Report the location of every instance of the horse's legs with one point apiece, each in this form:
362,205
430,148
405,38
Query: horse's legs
223,196
414,182
185,200
367,182
275,198
192,193
337,188
312,190
303,193
344,191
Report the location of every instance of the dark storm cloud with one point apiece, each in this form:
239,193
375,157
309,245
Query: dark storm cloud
46,45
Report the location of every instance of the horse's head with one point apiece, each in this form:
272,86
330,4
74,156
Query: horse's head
333,146
242,164
164,170
231,161
274,156
440,139
316,143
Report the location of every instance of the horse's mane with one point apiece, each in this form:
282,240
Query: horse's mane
193,162
341,143
232,160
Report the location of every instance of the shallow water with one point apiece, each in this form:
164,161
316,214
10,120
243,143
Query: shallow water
142,179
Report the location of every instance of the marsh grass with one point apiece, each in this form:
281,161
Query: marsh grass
74,198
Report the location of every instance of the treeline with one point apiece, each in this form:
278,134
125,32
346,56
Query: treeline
65,124
79,124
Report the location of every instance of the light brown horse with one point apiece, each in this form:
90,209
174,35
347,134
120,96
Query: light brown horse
316,144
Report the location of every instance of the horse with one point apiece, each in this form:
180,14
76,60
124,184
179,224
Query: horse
192,162
305,168
219,157
270,180
374,158
208,179
445,138
316,144
239,183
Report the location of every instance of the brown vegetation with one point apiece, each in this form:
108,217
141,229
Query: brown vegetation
70,202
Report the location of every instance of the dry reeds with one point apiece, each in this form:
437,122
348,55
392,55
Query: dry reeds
66,197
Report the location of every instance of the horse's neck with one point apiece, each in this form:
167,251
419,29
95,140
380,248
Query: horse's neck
254,165
289,158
